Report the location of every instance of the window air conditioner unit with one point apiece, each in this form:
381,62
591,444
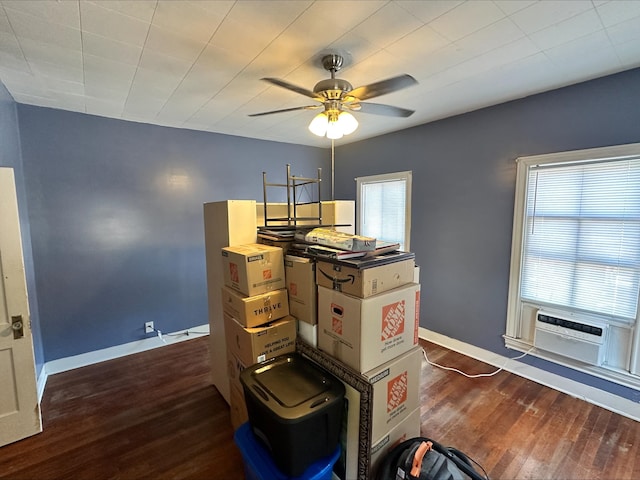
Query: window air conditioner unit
583,340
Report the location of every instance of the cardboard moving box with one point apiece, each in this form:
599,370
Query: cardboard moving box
396,391
365,333
255,310
257,344
394,410
253,269
367,277
300,275
238,407
407,429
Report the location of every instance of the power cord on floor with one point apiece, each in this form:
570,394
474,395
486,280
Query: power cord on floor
479,375
186,333
179,334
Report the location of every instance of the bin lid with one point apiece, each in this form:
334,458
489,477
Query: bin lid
291,380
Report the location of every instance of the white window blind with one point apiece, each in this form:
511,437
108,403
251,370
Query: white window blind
582,237
384,208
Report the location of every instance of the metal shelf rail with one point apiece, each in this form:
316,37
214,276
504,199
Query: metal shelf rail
295,186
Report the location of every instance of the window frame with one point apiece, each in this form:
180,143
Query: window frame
405,176
518,332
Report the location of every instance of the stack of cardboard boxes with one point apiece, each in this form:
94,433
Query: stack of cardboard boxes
255,307
365,313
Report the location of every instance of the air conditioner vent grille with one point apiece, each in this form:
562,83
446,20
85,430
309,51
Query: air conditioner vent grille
579,327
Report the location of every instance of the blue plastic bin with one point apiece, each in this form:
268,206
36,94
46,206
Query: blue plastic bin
258,464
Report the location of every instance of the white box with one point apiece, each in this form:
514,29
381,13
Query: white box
365,333
308,333
229,222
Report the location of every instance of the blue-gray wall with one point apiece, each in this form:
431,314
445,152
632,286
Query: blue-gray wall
116,220
463,195
10,156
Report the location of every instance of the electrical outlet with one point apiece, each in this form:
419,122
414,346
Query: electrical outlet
148,327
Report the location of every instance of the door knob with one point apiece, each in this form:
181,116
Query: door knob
17,326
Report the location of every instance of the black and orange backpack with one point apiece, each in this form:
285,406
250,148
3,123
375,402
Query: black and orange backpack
421,458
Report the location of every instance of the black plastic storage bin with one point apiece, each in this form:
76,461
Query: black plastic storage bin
295,408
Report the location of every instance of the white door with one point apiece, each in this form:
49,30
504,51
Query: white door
19,408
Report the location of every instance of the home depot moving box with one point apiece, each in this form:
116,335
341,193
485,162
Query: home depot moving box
257,344
300,275
255,310
394,414
253,269
366,332
408,428
396,391
366,277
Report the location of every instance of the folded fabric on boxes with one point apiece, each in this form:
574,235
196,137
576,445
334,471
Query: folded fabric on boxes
335,239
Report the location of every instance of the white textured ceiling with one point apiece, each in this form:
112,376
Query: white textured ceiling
197,64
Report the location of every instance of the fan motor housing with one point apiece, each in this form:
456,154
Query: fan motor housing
332,88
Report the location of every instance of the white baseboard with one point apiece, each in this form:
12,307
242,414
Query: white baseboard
42,382
593,395
89,358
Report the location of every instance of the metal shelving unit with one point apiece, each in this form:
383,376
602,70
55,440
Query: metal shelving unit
295,187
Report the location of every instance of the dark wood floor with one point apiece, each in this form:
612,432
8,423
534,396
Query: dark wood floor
518,429
156,415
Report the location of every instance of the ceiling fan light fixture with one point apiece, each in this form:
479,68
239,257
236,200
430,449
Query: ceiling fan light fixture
347,123
334,131
319,124
333,123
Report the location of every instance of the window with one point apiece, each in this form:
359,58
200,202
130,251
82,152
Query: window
384,207
582,237
576,247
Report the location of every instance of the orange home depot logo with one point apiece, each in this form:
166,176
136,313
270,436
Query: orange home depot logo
233,270
266,274
293,289
396,391
336,325
336,318
392,320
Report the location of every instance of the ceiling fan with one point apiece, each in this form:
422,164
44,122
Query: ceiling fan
337,97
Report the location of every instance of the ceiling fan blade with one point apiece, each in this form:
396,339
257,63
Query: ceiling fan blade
307,107
379,109
294,88
383,87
